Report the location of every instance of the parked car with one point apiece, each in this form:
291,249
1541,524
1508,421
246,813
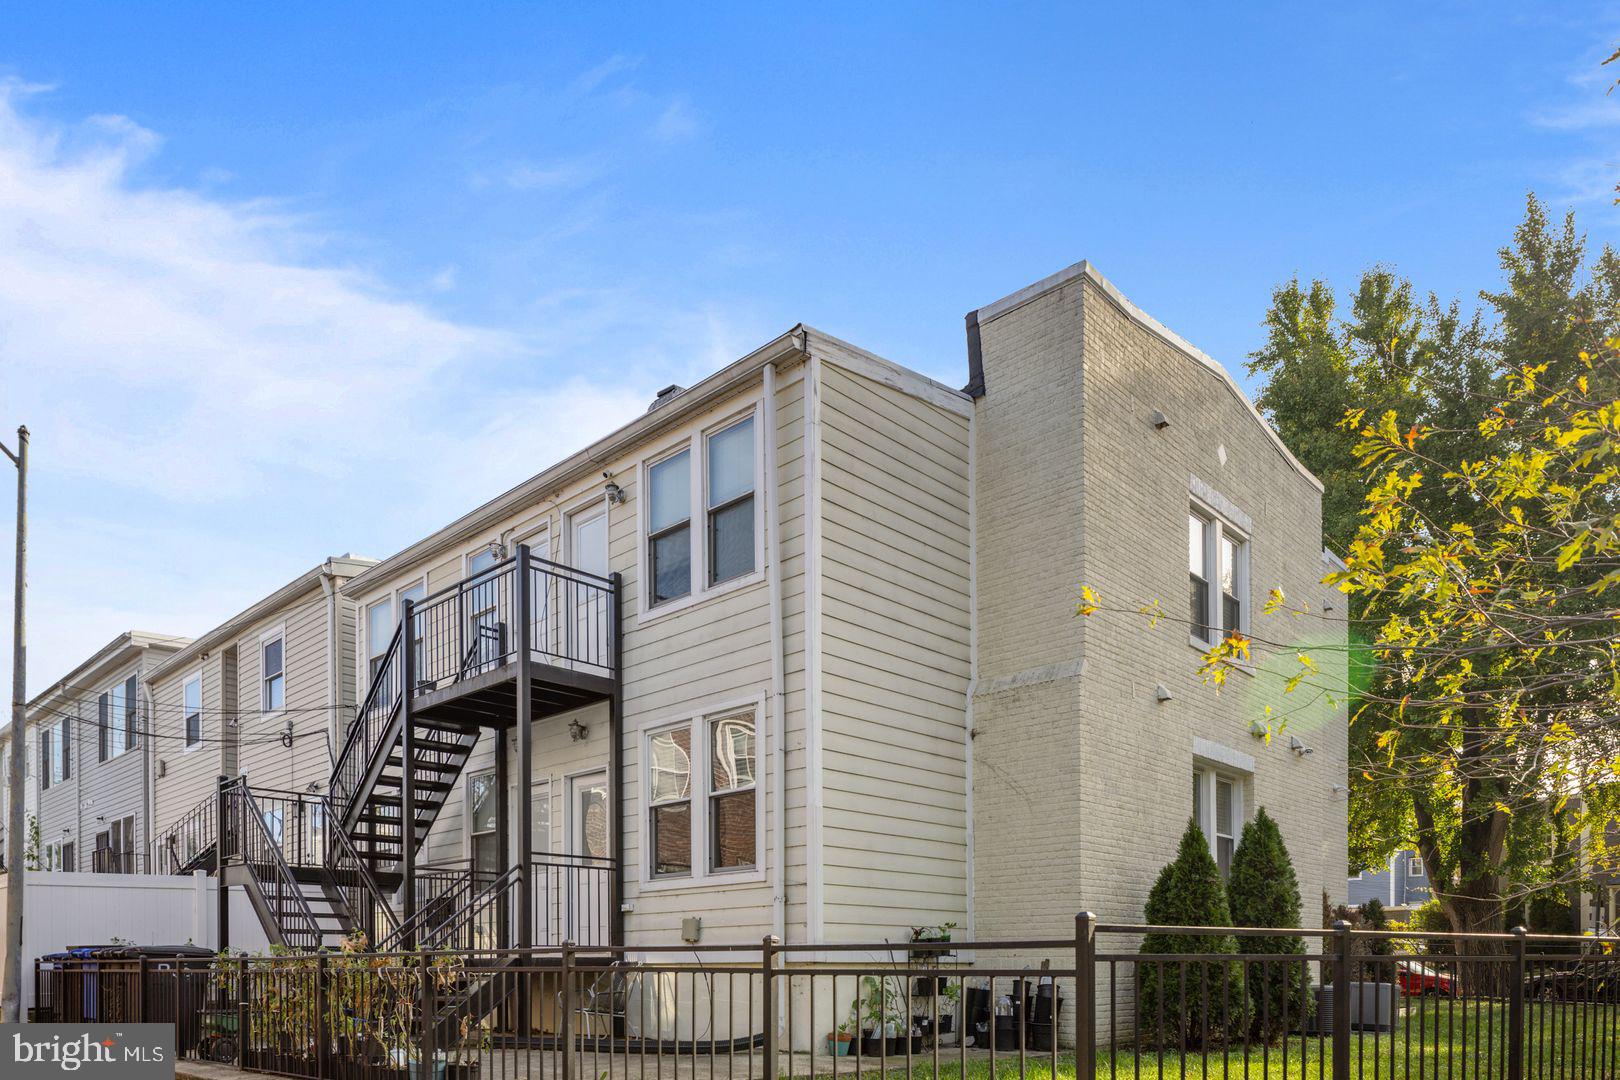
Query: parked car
1417,980
1574,984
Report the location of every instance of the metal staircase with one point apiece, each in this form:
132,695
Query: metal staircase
513,644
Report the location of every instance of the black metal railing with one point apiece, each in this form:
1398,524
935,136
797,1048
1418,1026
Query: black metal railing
572,899
250,838
187,842
374,724
298,822
1221,1002
469,628
369,910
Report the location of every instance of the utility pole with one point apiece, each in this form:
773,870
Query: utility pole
11,985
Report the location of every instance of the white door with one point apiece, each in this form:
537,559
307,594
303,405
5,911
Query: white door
585,882
585,599
540,848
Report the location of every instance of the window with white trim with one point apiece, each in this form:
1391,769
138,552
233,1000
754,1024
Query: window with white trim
273,674
701,514
1218,810
733,842
702,805
729,501
115,720
669,527
379,632
1218,574
191,700
483,822
669,785
1414,867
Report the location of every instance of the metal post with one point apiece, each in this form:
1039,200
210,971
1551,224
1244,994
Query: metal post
1515,1033
242,1033
407,766
503,834
429,1009
140,990
768,1000
222,896
566,1021
323,1026
615,755
11,982
525,769
1341,1000
1085,994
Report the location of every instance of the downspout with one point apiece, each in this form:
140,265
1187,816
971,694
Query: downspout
778,662
973,657
333,666
148,773
812,648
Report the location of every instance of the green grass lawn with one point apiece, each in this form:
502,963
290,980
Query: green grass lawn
1435,1039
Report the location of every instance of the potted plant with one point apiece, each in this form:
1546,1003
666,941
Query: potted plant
838,1041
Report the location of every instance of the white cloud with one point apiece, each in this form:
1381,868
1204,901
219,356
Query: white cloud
676,122
216,407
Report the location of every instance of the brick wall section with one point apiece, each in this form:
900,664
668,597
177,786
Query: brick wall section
1082,782
1027,751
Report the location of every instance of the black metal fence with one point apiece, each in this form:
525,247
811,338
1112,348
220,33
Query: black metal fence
1246,1003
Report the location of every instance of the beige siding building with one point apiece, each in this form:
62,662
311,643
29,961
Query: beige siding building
91,758
265,694
854,697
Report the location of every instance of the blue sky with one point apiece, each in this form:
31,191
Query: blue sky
291,281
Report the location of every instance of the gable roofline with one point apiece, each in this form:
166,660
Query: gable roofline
1084,269
115,654
336,566
677,406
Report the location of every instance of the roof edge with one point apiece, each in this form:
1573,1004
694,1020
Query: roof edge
678,406
1085,269
110,654
335,566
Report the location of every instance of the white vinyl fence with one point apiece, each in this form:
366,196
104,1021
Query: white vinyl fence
64,910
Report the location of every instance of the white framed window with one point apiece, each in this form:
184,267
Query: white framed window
483,822
62,756
669,802
1218,576
1414,867
1218,809
485,641
379,631
115,720
273,673
733,754
669,527
191,701
702,811
382,619
700,519
729,501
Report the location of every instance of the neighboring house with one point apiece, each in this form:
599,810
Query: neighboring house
804,654
264,694
1110,453
92,759
1403,883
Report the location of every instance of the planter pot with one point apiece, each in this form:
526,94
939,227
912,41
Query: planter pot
838,1045
947,1023
467,1070
426,1070
1038,1036
872,1046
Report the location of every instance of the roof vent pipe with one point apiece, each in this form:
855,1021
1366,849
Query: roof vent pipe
665,396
